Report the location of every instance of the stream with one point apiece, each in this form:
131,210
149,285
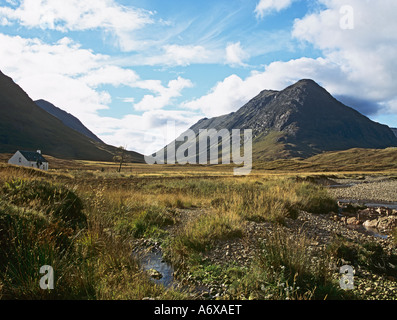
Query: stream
370,231
154,261
369,204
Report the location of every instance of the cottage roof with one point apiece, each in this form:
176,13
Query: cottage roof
33,156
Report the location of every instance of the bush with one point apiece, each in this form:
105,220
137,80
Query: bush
369,254
146,223
315,199
28,241
56,201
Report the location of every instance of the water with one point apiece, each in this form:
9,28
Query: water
366,230
392,205
369,231
154,260
368,204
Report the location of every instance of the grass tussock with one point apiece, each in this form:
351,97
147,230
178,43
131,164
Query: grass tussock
369,254
200,234
285,270
55,200
147,223
275,200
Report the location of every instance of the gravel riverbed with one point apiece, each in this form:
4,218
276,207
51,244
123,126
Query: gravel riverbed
370,189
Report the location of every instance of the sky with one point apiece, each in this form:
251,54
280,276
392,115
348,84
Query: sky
129,69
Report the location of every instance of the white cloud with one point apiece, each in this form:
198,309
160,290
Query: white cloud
110,74
366,54
225,97
165,96
358,66
235,54
76,15
64,57
265,7
146,133
128,100
179,55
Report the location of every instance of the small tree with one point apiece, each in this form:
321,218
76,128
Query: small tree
120,157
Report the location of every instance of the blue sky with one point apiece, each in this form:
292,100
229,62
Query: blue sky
126,68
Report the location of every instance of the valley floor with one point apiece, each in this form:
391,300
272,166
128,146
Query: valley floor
213,236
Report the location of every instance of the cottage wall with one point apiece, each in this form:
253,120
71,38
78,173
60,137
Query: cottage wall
19,160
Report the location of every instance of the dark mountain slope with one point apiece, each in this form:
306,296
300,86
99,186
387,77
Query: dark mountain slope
24,125
67,119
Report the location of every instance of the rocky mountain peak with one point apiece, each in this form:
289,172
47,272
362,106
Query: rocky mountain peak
302,120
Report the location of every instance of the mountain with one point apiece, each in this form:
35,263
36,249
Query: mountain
394,131
299,122
67,119
25,126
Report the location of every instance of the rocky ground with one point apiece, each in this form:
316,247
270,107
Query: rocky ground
380,189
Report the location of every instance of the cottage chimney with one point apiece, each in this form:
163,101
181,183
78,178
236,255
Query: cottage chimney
39,151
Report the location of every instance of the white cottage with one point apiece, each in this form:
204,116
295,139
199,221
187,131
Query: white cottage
29,159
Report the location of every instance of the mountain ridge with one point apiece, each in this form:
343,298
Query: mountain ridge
301,121
67,119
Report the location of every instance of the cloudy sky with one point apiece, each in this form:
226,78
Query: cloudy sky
125,68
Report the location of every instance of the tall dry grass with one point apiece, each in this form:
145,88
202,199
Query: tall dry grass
95,256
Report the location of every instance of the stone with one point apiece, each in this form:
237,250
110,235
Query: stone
369,290
371,223
387,223
364,215
353,221
153,273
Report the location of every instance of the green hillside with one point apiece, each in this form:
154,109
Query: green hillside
347,160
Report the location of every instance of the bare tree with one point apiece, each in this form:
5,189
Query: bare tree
120,157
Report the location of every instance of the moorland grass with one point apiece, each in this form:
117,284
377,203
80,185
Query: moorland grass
84,227
285,270
89,263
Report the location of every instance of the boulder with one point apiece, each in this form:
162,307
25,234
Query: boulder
371,223
387,223
155,274
353,221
